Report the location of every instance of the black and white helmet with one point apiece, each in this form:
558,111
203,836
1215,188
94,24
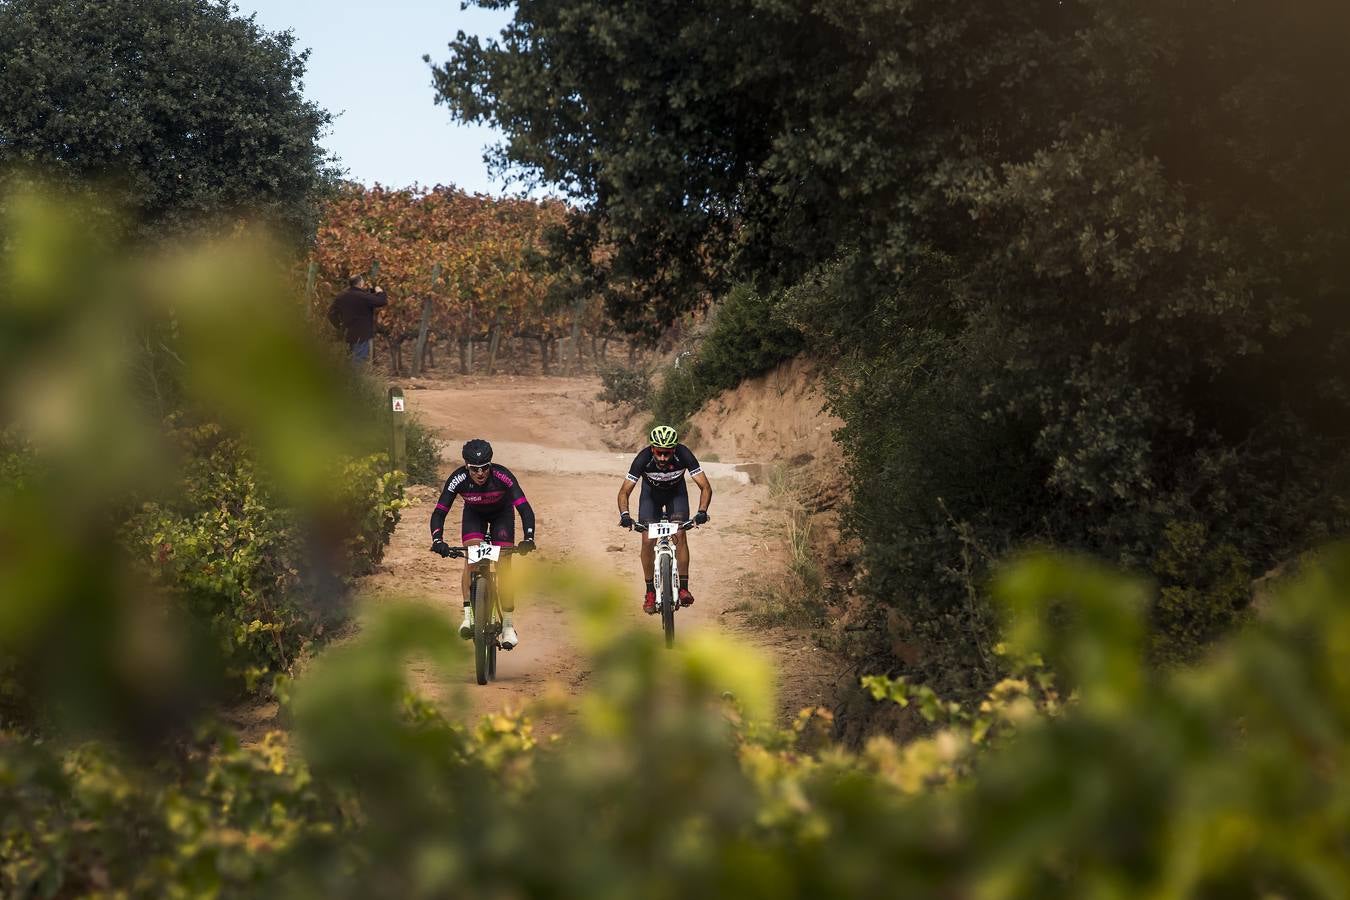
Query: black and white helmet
477,452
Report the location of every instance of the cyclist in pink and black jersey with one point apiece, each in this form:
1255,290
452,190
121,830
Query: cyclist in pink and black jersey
492,498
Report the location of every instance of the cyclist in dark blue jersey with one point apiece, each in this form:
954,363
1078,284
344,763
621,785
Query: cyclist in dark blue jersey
492,497
661,468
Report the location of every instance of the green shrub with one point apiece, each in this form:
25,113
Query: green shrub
261,579
424,454
746,337
1207,588
678,397
625,386
1083,774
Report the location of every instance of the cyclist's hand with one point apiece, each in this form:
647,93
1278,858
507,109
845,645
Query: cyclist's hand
625,520
526,546
701,517
441,547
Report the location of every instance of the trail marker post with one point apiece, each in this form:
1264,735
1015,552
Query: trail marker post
399,417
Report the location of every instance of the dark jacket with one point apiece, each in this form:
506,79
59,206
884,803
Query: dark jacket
353,313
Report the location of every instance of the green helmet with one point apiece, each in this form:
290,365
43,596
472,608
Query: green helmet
663,436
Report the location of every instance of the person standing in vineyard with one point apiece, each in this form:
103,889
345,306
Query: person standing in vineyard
492,498
352,313
661,468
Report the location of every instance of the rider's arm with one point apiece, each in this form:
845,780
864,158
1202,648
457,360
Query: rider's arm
523,507
704,490
690,462
443,505
633,477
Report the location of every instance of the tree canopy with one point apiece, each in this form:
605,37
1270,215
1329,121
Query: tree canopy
182,110
1082,267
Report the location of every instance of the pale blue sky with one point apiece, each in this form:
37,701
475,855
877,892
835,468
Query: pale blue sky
365,67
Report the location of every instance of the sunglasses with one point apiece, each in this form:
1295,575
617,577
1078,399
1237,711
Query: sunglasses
663,454
477,469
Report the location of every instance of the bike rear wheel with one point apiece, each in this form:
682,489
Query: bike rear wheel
482,627
667,600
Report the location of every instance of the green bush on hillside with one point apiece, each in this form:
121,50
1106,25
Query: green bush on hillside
679,396
746,336
623,385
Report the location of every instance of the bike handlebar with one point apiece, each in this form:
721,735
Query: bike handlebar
642,529
461,552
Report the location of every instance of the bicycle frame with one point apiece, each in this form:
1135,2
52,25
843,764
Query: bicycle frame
486,605
664,570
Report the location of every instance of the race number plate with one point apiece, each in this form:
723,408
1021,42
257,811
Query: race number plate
662,529
480,552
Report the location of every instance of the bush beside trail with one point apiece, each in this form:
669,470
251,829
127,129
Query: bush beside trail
744,336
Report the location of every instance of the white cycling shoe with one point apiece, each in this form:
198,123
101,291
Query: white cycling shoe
509,637
466,627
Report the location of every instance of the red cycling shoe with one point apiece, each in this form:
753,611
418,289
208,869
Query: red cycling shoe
649,603
686,598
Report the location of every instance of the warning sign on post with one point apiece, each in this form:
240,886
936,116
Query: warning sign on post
398,404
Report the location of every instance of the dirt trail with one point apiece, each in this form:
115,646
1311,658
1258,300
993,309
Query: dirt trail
542,429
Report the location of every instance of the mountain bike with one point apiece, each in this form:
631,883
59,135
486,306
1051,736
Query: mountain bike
485,604
663,572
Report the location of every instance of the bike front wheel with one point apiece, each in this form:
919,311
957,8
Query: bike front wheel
667,600
482,628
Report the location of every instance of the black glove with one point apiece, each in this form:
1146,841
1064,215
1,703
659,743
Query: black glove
701,517
441,547
526,546
625,520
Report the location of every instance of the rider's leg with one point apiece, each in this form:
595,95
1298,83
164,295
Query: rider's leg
682,560
649,511
471,531
506,596
679,512
464,576
503,527
503,530
648,558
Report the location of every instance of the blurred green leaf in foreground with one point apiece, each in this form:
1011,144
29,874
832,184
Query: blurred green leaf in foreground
1220,780
187,477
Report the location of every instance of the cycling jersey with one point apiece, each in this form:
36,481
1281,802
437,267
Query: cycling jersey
663,476
501,493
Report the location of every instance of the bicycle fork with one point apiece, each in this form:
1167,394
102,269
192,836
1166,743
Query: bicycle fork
665,549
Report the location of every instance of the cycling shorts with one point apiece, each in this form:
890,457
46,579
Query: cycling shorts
478,523
655,503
